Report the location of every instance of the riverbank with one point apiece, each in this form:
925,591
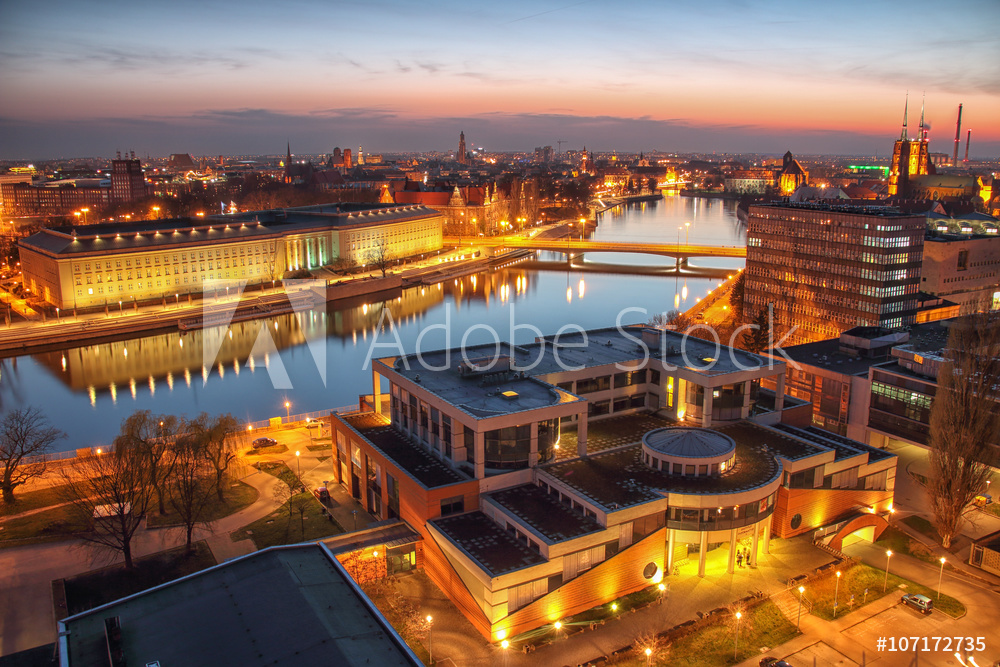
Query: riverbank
101,327
609,204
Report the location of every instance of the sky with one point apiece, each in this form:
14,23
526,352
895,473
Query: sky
207,77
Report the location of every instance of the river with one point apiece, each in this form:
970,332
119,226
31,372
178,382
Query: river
86,391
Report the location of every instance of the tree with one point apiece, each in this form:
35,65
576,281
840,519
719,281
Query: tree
111,492
152,435
216,445
964,420
25,438
190,484
380,256
736,295
758,337
296,502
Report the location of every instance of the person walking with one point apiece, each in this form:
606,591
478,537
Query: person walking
739,558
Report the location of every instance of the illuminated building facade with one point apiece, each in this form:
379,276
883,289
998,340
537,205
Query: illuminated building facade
792,175
525,519
826,268
909,158
963,269
97,265
463,154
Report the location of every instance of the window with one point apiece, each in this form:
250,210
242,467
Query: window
454,505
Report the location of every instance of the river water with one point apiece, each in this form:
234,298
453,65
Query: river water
316,360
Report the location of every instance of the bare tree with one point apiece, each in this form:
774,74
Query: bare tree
25,438
153,436
297,503
111,492
965,420
191,484
216,445
380,256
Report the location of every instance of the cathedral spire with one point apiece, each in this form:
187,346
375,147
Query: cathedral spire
923,131
906,105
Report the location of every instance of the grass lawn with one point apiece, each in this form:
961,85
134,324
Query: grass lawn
273,449
237,496
91,589
276,528
923,526
855,580
281,471
319,448
900,543
48,525
32,500
763,626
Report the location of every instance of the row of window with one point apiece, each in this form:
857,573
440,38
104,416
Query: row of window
167,258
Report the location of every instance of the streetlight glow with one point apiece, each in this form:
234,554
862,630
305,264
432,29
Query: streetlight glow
940,576
888,555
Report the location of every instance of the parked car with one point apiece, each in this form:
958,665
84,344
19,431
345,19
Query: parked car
315,424
921,603
773,662
260,443
322,494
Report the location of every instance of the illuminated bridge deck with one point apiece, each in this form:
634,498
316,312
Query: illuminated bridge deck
677,250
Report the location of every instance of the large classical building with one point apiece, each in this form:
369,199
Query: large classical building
825,268
96,265
548,478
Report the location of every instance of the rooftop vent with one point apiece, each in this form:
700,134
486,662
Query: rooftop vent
510,395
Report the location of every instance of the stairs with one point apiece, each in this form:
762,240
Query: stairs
788,603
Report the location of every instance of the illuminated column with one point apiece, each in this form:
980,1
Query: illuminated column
701,554
767,535
706,407
732,551
480,455
779,397
753,548
533,451
376,392
581,434
671,545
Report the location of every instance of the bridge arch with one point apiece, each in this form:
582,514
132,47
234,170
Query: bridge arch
868,527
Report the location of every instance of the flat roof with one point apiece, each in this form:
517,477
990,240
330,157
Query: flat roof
552,519
842,450
875,210
175,232
611,432
281,606
479,393
620,478
601,347
411,457
494,549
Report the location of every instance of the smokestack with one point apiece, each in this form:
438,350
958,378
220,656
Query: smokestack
958,136
968,138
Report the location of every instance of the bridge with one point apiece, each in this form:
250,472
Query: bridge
680,251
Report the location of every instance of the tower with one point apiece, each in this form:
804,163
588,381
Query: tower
288,164
909,157
361,156
462,155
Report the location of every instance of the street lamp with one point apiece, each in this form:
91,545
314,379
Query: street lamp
298,465
736,644
940,575
156,210
799,620
85,212
649,656
430,638
687,233
836,594
583,227
287,406
888,555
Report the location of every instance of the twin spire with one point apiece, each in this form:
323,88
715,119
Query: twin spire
921,135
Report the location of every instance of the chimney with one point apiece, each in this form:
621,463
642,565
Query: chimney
968,138
958,136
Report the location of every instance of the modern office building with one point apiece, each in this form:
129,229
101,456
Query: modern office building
825,268
965,269
97,265
548,478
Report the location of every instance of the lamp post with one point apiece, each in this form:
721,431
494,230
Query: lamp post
940,576
649,656
799,620
583,227
736,644
836,594
156,211
430,638
288,405
687,233
888,555
85,212
298,466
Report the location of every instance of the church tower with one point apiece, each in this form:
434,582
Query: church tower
910,157
462,153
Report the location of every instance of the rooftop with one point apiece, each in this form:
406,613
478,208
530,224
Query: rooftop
854,209
552,519
874,453
842,450
411,457
782,444
496,551
688,442
146,234
611,432
282,606
619,478
480,380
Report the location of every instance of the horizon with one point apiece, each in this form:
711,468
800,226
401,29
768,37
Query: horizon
745,77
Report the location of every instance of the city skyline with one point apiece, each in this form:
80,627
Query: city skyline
741,77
